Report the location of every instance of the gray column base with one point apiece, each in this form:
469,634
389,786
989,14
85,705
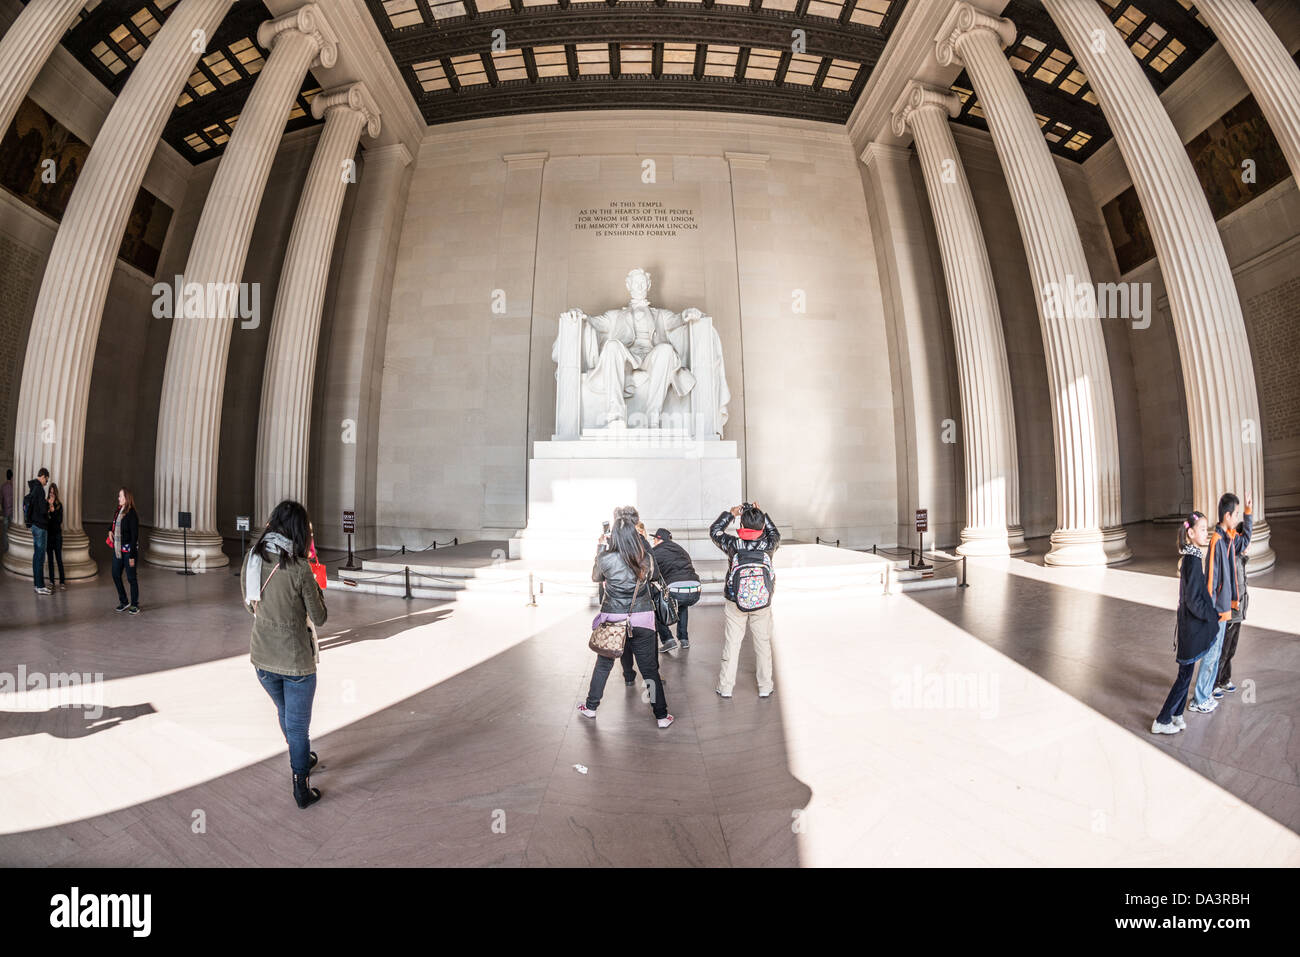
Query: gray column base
167,547
77,563
981,542
1089,546
1261,555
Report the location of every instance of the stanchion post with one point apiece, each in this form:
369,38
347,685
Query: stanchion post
407,570
963,572
889,568
532,596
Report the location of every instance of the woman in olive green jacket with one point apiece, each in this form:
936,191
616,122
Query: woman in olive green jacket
281,593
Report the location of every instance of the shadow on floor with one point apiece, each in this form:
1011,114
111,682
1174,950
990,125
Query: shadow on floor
483,769
1116,657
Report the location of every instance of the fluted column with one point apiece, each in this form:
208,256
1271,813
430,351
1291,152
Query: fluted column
284,426
25,47
189,418
988,420
1222,404
1088,528
51,423
1263,61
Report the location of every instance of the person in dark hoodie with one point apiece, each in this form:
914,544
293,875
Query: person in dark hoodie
1198,621
1232,631
748,592
54,536
36,515
683,585
1230,538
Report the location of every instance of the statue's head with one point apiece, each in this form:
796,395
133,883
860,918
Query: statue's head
638,283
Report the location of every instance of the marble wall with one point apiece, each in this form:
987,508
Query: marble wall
781,259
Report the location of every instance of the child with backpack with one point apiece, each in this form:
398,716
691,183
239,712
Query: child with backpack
748,592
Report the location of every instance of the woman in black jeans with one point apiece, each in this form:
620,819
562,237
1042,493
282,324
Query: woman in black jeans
124,539
54,536
624,567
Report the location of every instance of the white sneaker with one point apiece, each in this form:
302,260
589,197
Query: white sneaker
1205,708
585,711
44,591
1158,728
1180,722
666,720
766,694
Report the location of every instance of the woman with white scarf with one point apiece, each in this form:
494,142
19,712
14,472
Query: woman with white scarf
1197,621
281,592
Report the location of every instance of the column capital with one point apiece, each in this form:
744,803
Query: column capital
921,96
964,19
307,19
354,97
877,152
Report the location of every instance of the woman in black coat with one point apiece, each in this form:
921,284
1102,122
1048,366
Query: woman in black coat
1198,621
624,567
124,539
54,539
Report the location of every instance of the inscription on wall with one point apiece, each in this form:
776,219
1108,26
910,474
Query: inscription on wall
635,217
1271,318
22,271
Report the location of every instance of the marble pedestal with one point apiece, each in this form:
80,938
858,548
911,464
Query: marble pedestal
673,480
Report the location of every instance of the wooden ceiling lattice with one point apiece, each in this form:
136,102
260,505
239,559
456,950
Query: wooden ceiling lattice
110,36
467,59
1167,36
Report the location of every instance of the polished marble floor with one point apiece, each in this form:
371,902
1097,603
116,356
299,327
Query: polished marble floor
1002,724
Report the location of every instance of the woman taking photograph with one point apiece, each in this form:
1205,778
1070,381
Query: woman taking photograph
281,593
624,567
54,536
124,540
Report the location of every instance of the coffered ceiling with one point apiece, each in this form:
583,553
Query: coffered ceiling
463,59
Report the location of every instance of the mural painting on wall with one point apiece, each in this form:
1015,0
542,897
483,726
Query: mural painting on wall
35,137
1236,159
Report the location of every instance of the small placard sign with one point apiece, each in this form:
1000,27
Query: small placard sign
241,523
922,519
183,520
349,521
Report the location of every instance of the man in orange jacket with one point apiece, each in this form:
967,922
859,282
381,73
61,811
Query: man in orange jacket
1228,542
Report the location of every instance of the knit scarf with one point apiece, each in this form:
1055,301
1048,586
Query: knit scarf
253,579
1190,549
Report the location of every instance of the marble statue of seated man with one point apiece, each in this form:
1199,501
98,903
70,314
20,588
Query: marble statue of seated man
628,353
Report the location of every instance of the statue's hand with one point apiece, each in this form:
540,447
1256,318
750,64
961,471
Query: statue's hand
690,314
577,314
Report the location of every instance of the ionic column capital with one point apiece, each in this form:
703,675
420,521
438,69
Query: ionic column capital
964,20
354,97
920,96
307,19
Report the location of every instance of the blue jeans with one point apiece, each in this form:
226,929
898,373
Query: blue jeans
293,695
1209,669
39,538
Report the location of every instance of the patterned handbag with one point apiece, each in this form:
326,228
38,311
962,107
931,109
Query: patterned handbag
609,638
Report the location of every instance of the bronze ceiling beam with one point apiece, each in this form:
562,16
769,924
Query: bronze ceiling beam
590,93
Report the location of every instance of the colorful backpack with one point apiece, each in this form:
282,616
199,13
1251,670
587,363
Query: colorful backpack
750,579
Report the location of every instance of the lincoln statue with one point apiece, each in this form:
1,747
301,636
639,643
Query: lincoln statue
634,360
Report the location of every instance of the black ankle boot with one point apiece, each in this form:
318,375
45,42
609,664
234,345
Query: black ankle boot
314,760
303,792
